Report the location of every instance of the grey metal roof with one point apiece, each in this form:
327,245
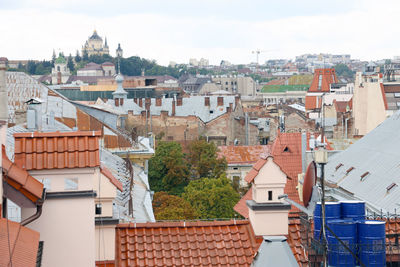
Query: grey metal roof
141,194
376,157
193,105
274,251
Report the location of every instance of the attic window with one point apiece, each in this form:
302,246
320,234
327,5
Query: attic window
338,166
286,149
211,111
269,195
364,175
349,170
390,187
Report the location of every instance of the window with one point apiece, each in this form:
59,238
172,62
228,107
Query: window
319,82
211,111
390,187
71,184
396,95
170,138
269,195
363,176
235,168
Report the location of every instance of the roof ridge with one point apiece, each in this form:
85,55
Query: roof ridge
195,223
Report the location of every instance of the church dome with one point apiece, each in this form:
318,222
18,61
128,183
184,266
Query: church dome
61,60
95,36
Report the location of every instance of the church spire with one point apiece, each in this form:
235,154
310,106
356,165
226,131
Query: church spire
105,42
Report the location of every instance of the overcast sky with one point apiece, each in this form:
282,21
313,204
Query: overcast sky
176,30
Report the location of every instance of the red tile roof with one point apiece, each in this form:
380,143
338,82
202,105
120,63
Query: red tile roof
23,241
328,77
20,179
57,150
341,106
242,154
294,240
213,243
107,173
241,206
313,102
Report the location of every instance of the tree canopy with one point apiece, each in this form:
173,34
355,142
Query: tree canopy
342,70
167,169
170,207
203,160
212,197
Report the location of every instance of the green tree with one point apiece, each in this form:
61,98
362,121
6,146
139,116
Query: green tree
77,57
31,67
85,56
70,63
204,160
212,197
167,169
342,70
170,207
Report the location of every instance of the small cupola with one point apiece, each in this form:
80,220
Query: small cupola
120,94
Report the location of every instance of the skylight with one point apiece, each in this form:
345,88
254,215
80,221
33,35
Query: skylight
390,187
338,166
349,170
363,176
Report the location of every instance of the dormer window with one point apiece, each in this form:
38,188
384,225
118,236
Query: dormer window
364,175
286,149
269,195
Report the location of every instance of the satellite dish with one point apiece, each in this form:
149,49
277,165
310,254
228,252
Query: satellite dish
310,180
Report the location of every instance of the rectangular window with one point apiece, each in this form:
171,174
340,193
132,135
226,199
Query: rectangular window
396,94
269,195
71,184
398,104
46,183
319,82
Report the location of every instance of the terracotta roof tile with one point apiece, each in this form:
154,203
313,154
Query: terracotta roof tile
328,77
57,150
25,240
251,175
21,180
215,243
313,102
341,106
107,173
242,154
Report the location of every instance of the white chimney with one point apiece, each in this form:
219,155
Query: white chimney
268,215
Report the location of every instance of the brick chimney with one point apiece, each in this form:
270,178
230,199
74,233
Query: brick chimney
207,101
237,98
268,215
173,107
179,101
140,102
147,103
158,102
230,108
220,101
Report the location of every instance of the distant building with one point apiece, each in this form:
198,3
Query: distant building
94,45
119,52
93,69
236,84
60,73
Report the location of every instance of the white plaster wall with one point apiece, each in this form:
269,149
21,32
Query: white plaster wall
269,222
105,242
67,228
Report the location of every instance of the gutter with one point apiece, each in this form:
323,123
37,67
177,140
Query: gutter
39,207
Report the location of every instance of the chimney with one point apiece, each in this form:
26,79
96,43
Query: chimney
268,215
158,102
135,100
237,98
140,102
116,102
220,101
173,107
34,114
147,103
179,101
207,101
3,93
230,108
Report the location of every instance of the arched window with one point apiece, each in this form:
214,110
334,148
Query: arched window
58,68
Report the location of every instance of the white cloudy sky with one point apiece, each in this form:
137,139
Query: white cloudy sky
177,30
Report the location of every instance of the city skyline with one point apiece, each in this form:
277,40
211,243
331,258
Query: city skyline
221,30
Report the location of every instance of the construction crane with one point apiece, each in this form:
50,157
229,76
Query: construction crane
258,52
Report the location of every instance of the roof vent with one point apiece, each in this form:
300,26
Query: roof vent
286,149
363,176
390,187
338,166
349,170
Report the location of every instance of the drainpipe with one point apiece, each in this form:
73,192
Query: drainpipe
246,118
39,206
